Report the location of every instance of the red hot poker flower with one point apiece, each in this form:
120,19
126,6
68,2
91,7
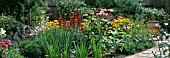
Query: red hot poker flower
60,20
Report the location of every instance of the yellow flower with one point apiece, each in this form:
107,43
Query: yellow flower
109,31
115,20
52,23
119,29
83,24
114,28
120,20
49,24
126,19
120,23
137,25
57,26
55,21
110,27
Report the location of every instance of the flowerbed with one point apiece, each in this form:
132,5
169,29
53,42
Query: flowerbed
79,33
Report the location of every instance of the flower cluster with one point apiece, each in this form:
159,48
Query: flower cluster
119,24
53,23
2,33
5,43
73,21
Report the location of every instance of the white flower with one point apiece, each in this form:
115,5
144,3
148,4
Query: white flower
166,24
2,31
166,47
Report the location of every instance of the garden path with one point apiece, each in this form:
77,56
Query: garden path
148,53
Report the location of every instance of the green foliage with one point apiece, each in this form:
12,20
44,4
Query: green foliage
129,8
31,49
136,36
81,50
57,42
100,3
8,6
9,23
96,48
11,53
31,11
64,7
154,14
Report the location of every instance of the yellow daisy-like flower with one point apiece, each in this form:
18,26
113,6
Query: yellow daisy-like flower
119,29
55,21
49,24
114,28
110,27
52,23
115,20
121,20
120,23
109,31
126,19
83,24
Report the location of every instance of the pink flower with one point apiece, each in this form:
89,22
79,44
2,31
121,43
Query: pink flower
94,19
102,12
111,10
106,14
85,20
120,17
103,9
6,41
91,13
105,20
4,45
85,14
98,13
1,43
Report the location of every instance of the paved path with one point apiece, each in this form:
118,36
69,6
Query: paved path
148,53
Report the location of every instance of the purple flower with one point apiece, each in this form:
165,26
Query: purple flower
72,52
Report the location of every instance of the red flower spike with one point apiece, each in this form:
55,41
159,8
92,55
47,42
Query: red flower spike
64,24
78,18
71,21
60,20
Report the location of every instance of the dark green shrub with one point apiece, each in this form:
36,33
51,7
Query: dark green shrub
100,3
31,49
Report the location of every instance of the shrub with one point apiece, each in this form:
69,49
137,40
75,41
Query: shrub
31,49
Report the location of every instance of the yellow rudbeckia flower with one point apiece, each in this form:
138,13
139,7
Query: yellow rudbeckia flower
49,24
56,22
109,31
